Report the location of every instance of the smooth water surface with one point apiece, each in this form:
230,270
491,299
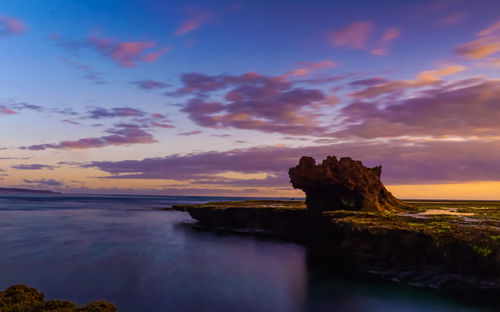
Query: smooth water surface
124,250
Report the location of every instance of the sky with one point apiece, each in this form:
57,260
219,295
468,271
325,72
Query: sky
222,97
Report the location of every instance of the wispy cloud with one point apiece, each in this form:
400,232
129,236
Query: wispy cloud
122,134
87,71
150,84
425,78
486,44
382,44
127,53
100,112
33,167
353,36
6,111
44,182
197,18
188,133
306,68
11,26
359,36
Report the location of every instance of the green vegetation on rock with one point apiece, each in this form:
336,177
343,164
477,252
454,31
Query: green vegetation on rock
22,298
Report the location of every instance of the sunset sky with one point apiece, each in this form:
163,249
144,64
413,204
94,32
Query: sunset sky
222,97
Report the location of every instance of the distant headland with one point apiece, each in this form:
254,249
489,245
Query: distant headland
8,190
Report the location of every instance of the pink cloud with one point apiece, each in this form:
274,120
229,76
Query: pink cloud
11,26
305,68
354,35
197,19
127,54
6,111
153,56
486,44
382,44
425,78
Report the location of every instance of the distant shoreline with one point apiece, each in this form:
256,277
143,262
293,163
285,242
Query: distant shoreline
4,190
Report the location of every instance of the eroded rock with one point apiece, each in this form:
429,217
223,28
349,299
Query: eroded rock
343,184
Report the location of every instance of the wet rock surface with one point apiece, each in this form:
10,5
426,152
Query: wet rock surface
343,184
461,250
350,219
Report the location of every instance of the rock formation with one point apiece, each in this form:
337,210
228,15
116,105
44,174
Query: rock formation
343,184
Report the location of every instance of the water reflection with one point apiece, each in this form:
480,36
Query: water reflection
121,250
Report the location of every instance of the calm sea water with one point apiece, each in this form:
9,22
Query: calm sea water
122,249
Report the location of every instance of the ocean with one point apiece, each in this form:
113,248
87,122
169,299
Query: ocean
126,250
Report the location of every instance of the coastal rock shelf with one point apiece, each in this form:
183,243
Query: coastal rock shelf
350,219
437,244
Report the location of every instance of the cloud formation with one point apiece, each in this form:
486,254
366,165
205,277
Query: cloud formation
197,18
100,112
122,134
403,161
353,36
33,167
149,84
358,36
445,110
44,182
87,71
425,78
486,44
11,26
6,111
253,101
127,53
382,44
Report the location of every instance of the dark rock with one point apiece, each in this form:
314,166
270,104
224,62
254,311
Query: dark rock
343,184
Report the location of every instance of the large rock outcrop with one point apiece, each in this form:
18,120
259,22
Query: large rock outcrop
343,184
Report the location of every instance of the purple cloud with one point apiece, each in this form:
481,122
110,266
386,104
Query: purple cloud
188,133
122,134
149,84
44,182
404,162
447,110
33,167
114,112
87,71
127,54
253,101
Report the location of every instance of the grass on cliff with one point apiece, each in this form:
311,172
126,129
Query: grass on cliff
22,298
473,223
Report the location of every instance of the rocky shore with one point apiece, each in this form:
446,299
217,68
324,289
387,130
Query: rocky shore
22,298
350,219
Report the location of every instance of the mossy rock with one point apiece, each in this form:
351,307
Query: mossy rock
22,298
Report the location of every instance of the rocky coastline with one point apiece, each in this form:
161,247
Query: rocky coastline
448,245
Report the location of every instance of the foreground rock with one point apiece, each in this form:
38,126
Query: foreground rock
350,218
22,298
343,184
438,244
